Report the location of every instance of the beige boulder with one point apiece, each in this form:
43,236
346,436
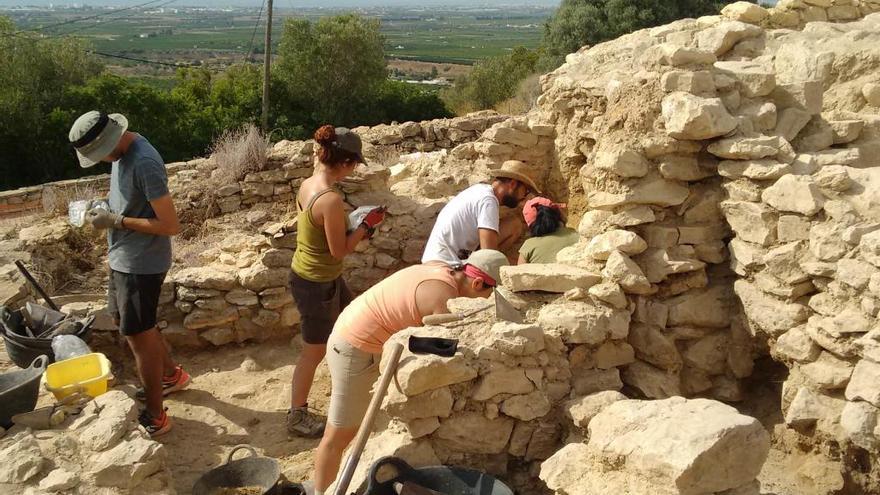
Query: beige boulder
797,194
603,245
551,277
693,117
745,12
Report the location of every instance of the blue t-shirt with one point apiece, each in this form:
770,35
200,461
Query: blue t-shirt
136,179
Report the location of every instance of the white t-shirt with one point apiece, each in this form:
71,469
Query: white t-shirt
457,227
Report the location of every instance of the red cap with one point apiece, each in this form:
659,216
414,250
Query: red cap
530,210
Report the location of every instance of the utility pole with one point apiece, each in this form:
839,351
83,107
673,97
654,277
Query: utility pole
267,59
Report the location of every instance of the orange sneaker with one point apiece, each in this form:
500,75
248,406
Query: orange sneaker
155,426
174,383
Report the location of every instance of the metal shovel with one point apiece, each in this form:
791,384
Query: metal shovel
504,311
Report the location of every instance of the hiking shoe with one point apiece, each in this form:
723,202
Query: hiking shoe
174,383
304,423
155,426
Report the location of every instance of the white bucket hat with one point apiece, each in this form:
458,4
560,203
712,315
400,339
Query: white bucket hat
95,135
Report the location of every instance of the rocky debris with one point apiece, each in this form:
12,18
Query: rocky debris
715,449
584,409
22,458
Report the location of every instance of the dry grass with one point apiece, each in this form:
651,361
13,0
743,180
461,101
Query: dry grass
57,199
239,152
525,99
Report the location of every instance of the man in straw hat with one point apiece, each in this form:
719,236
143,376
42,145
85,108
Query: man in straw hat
139,224
471,221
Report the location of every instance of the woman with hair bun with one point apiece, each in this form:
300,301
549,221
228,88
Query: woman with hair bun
323,239
548,231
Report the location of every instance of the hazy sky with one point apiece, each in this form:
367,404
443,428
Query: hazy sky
290,3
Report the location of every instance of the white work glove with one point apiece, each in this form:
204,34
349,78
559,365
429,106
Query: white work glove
103,219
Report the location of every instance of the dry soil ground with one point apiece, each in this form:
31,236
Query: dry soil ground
239,395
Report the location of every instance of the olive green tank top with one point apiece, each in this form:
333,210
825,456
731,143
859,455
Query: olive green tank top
312,259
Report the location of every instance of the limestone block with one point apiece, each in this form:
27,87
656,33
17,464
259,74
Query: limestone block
630,217
869,247
699,82
654,346
612,354
471,432
843,13
742,190
767,169
745,12
826,242
745,256
816,136
516,339
22,459
863,383
809,407
212,304
507,135
871,92
583,409
431,404
584,323
200,318
259,277
621,269
753,222
603,245
128,463
722,37
623,162
755,79
610,293
277,258
702,308
59,480
681,56
420,373
763,115
594,222
796,345
658,264
828,372
793,228
586,382
692,117
205,278
266,318
701,234
783,262
526,407
242,297
683,168
552,277
846,131
791,121
767,312
657,192
798,194
838,156
803,95
855,273
502,381
858,420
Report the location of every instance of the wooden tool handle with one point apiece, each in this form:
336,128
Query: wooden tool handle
366,427
440,319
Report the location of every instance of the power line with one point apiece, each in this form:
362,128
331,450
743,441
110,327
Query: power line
254,33
78,19
115,19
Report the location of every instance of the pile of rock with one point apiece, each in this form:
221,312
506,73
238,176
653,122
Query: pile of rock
428,135
102,450
795,14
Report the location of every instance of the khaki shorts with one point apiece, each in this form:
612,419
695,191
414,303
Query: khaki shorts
352,375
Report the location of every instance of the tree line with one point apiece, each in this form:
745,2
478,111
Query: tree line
329,71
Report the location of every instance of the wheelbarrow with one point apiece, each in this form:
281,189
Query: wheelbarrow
431,480
19,390
252,475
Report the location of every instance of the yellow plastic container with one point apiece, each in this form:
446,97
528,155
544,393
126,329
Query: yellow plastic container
88,373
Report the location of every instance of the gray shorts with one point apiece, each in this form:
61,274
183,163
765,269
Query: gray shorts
319,304
353,373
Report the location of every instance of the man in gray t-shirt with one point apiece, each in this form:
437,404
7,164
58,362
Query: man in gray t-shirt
140,222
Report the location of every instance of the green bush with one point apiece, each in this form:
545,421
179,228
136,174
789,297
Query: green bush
491,81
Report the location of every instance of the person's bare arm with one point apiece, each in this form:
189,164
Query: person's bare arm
522,260
165,222
488,239
333,216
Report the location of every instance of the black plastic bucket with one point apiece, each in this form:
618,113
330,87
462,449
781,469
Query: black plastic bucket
444,479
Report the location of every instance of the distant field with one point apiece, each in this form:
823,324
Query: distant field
453,35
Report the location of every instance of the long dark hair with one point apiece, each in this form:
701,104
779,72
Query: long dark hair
329,154
547,221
